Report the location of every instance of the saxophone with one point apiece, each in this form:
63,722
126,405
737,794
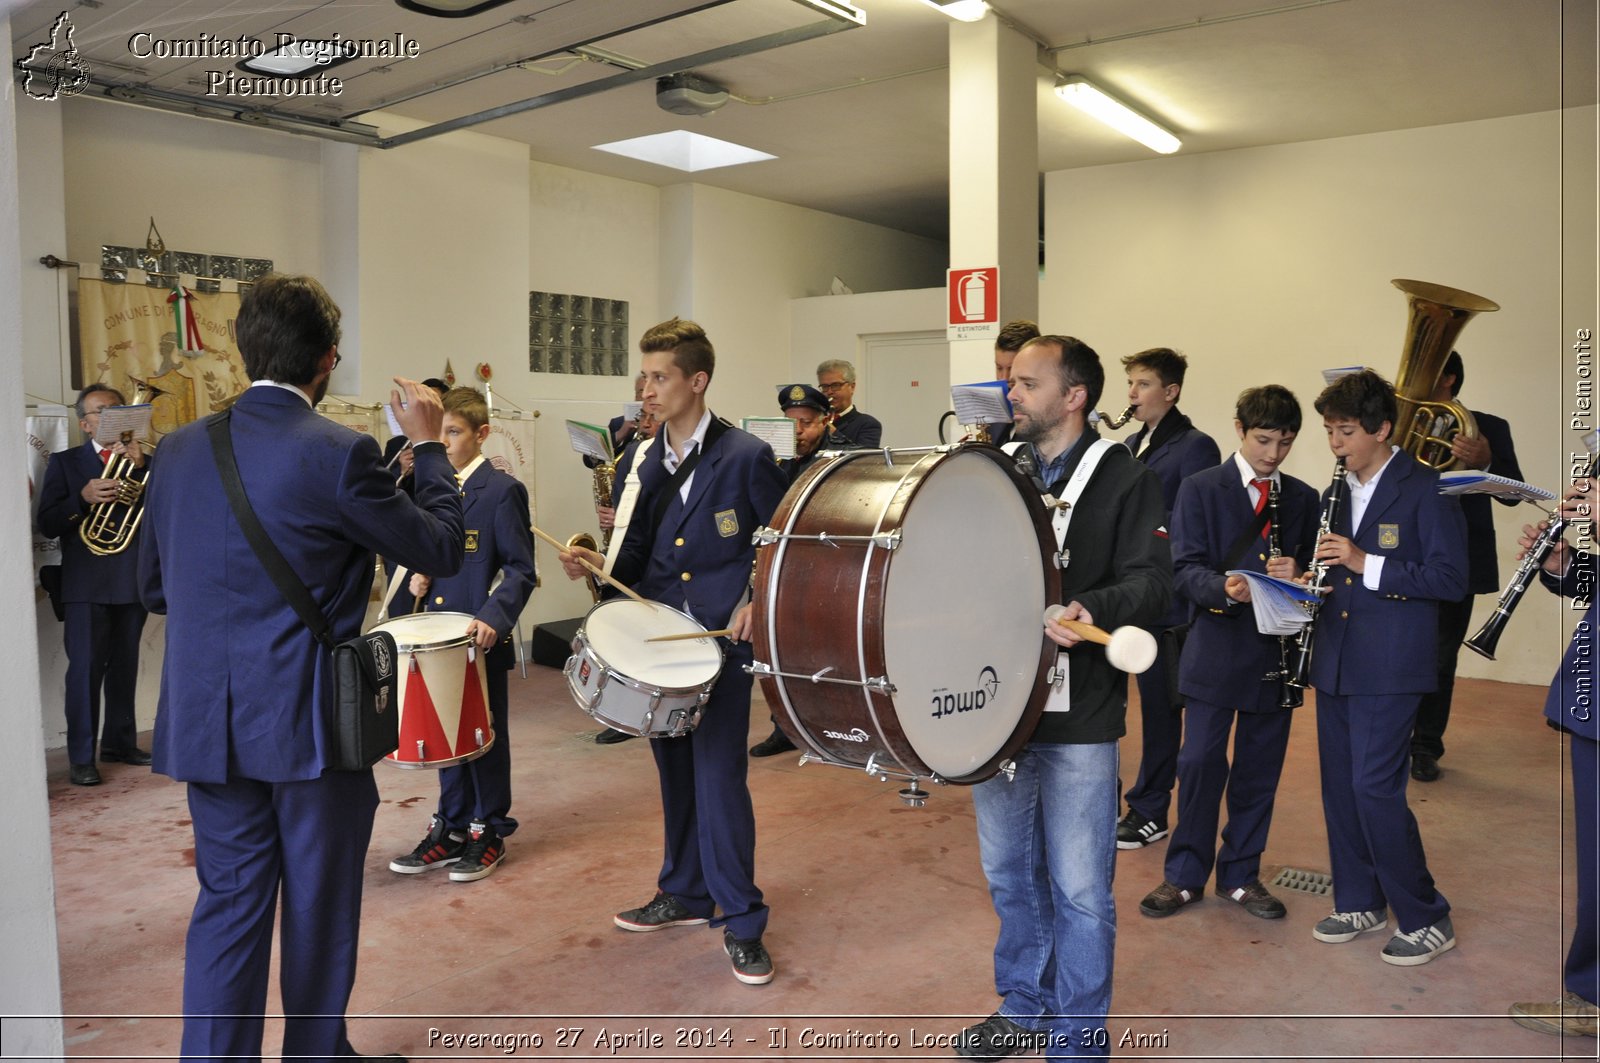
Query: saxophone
1318,571
1289,695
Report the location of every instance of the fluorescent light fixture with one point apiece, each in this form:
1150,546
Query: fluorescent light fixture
686,151
296,58
1094,101
961,10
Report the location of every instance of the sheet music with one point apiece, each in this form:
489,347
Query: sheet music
1279,604
631,411
119,423
1474,482
982,403
776,432
394,423
1330,375
590,440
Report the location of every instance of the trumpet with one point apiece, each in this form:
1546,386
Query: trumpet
1116,422
1301,676
1289,695
110,526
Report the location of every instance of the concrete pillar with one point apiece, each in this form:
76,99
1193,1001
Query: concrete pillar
994,174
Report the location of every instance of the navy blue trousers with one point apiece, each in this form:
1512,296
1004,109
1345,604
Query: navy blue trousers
254,841
1161,735
710,858
480,790
1250,784
1364,747
102,643
1583,957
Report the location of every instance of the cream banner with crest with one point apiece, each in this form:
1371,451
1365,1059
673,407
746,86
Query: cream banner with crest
129,335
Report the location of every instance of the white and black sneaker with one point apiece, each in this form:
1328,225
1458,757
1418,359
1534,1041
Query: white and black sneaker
480,856
1347,926
437,848
1420,946
1135,831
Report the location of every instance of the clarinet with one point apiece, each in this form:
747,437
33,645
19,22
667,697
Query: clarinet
1289,695
1301,676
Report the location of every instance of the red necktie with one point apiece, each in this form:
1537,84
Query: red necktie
105,457
1262,487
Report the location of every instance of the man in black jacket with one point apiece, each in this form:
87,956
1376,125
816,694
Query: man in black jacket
1047,836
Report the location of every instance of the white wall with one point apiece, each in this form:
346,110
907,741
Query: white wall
30,981
1269,264
832,326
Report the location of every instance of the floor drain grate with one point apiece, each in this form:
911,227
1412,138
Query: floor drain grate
1317,883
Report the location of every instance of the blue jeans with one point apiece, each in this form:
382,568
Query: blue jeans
1048,843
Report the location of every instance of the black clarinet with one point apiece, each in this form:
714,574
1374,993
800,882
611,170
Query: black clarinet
1289,695
1301,676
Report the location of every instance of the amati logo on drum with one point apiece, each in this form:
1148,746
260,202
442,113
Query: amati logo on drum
947,702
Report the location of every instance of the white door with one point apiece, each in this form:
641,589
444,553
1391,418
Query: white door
903,379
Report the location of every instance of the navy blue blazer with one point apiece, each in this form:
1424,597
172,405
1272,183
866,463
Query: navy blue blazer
85,575
700,559
1386,641
1571,702
860,430
1483,563
245,689
495,523
1177,451
1225,659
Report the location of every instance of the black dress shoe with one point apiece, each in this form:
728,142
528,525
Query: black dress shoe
85,775
775,743
132,755
1424,767
611,736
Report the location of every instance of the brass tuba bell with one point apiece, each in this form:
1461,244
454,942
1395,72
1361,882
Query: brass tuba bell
1425,427
109,527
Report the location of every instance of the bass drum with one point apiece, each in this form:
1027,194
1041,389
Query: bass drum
897,606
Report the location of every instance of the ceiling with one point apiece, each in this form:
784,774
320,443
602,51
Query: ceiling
856,115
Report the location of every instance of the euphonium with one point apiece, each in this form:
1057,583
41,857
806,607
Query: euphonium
110,526
1426,428
1318,571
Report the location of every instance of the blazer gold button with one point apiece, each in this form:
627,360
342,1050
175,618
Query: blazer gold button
438,600
684,577
1344,616
677,542
1347,581
1262,556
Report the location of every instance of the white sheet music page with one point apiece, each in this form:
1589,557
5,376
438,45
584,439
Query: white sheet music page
775,432
119,423
1279,604
1474,482
981,403
590,440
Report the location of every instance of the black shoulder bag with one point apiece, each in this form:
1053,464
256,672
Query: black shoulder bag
366,717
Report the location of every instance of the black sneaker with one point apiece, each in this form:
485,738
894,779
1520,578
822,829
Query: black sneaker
436,849
611,736
1254,898
775,743
1135,831
751,964
662,912
1166,899
997,1037
480,856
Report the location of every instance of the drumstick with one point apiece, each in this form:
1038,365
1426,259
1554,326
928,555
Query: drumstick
559,545
1128,649
687,635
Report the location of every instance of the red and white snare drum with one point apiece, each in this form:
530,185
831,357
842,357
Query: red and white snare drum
897,606
444,694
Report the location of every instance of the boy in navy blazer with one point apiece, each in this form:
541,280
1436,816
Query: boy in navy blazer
1397,549
1569,707
100,593
245,718
688,502
474,817
1170,446
1230,673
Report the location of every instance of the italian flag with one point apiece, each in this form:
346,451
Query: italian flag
188,330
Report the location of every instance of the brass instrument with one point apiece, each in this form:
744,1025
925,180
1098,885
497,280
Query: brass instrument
587,541
1426,428
1116,422
605,478
110,526
1488,636
1289,695
1301,675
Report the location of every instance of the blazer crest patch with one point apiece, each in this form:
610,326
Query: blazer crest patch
727,523
472,540
1388,536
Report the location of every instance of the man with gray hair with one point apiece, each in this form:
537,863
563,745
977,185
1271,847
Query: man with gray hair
836,378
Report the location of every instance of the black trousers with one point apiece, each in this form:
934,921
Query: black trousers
1433,715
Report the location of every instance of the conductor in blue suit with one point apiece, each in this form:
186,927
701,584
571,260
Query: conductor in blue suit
246,692
1395,551
687,503
1570,707
100,593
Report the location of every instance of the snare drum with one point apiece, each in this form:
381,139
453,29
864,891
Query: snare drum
945,556
444,693
657,689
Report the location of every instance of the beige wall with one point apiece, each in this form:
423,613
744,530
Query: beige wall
1270,264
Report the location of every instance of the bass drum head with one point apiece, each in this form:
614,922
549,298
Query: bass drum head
961,629
617,630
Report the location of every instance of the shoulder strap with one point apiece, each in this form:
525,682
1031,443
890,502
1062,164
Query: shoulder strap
1236,551
283,577
713,432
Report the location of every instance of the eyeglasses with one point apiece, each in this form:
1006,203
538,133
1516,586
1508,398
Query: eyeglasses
337,358
840,386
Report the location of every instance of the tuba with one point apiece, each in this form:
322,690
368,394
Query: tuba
1426,428
109,527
